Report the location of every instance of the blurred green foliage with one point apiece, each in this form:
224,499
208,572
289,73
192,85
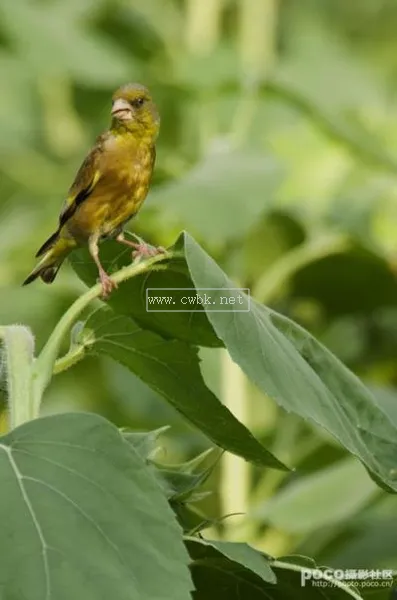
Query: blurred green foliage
278,151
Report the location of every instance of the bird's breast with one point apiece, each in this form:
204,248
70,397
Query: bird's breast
119,193
126,184
129,178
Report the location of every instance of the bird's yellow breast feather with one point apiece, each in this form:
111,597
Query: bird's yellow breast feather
120,185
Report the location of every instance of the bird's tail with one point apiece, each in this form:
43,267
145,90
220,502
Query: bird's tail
56,250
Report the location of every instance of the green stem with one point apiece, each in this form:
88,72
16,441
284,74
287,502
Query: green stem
288,566
44,365
72,357
272,281
18,344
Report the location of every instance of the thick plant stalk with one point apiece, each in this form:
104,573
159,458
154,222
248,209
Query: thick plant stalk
257,33
256,45
27,377
203,25
235,473
203,30
257,37
18,356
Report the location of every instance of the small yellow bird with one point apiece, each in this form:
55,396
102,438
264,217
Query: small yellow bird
109,188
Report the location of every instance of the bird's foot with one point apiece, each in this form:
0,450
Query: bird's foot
108,285
144,250
141,249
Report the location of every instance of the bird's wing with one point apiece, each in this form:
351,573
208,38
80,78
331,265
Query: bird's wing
86,179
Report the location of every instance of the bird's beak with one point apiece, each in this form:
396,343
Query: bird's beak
122,110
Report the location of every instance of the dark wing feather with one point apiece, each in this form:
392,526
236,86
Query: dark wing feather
47,244
86,179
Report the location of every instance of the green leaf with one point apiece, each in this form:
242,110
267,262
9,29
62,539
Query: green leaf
144,442
171,368
299,560
280,357
239,553
339,281
372,543
130,298
282,233
16,104
290,572
220,579
300,374
179,482
315,501
182,482
386,399
181,487
190,518
93,521
54,41
191,466
232,187
229,571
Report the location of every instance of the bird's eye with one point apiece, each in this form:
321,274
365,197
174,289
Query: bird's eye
138,102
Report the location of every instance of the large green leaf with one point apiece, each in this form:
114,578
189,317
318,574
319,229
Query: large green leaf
82,517
300,374
279,356
171,368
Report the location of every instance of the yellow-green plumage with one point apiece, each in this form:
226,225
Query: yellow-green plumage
110,185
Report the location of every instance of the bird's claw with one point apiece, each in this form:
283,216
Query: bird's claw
108,285
144,250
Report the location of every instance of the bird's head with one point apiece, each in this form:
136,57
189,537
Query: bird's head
134,110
